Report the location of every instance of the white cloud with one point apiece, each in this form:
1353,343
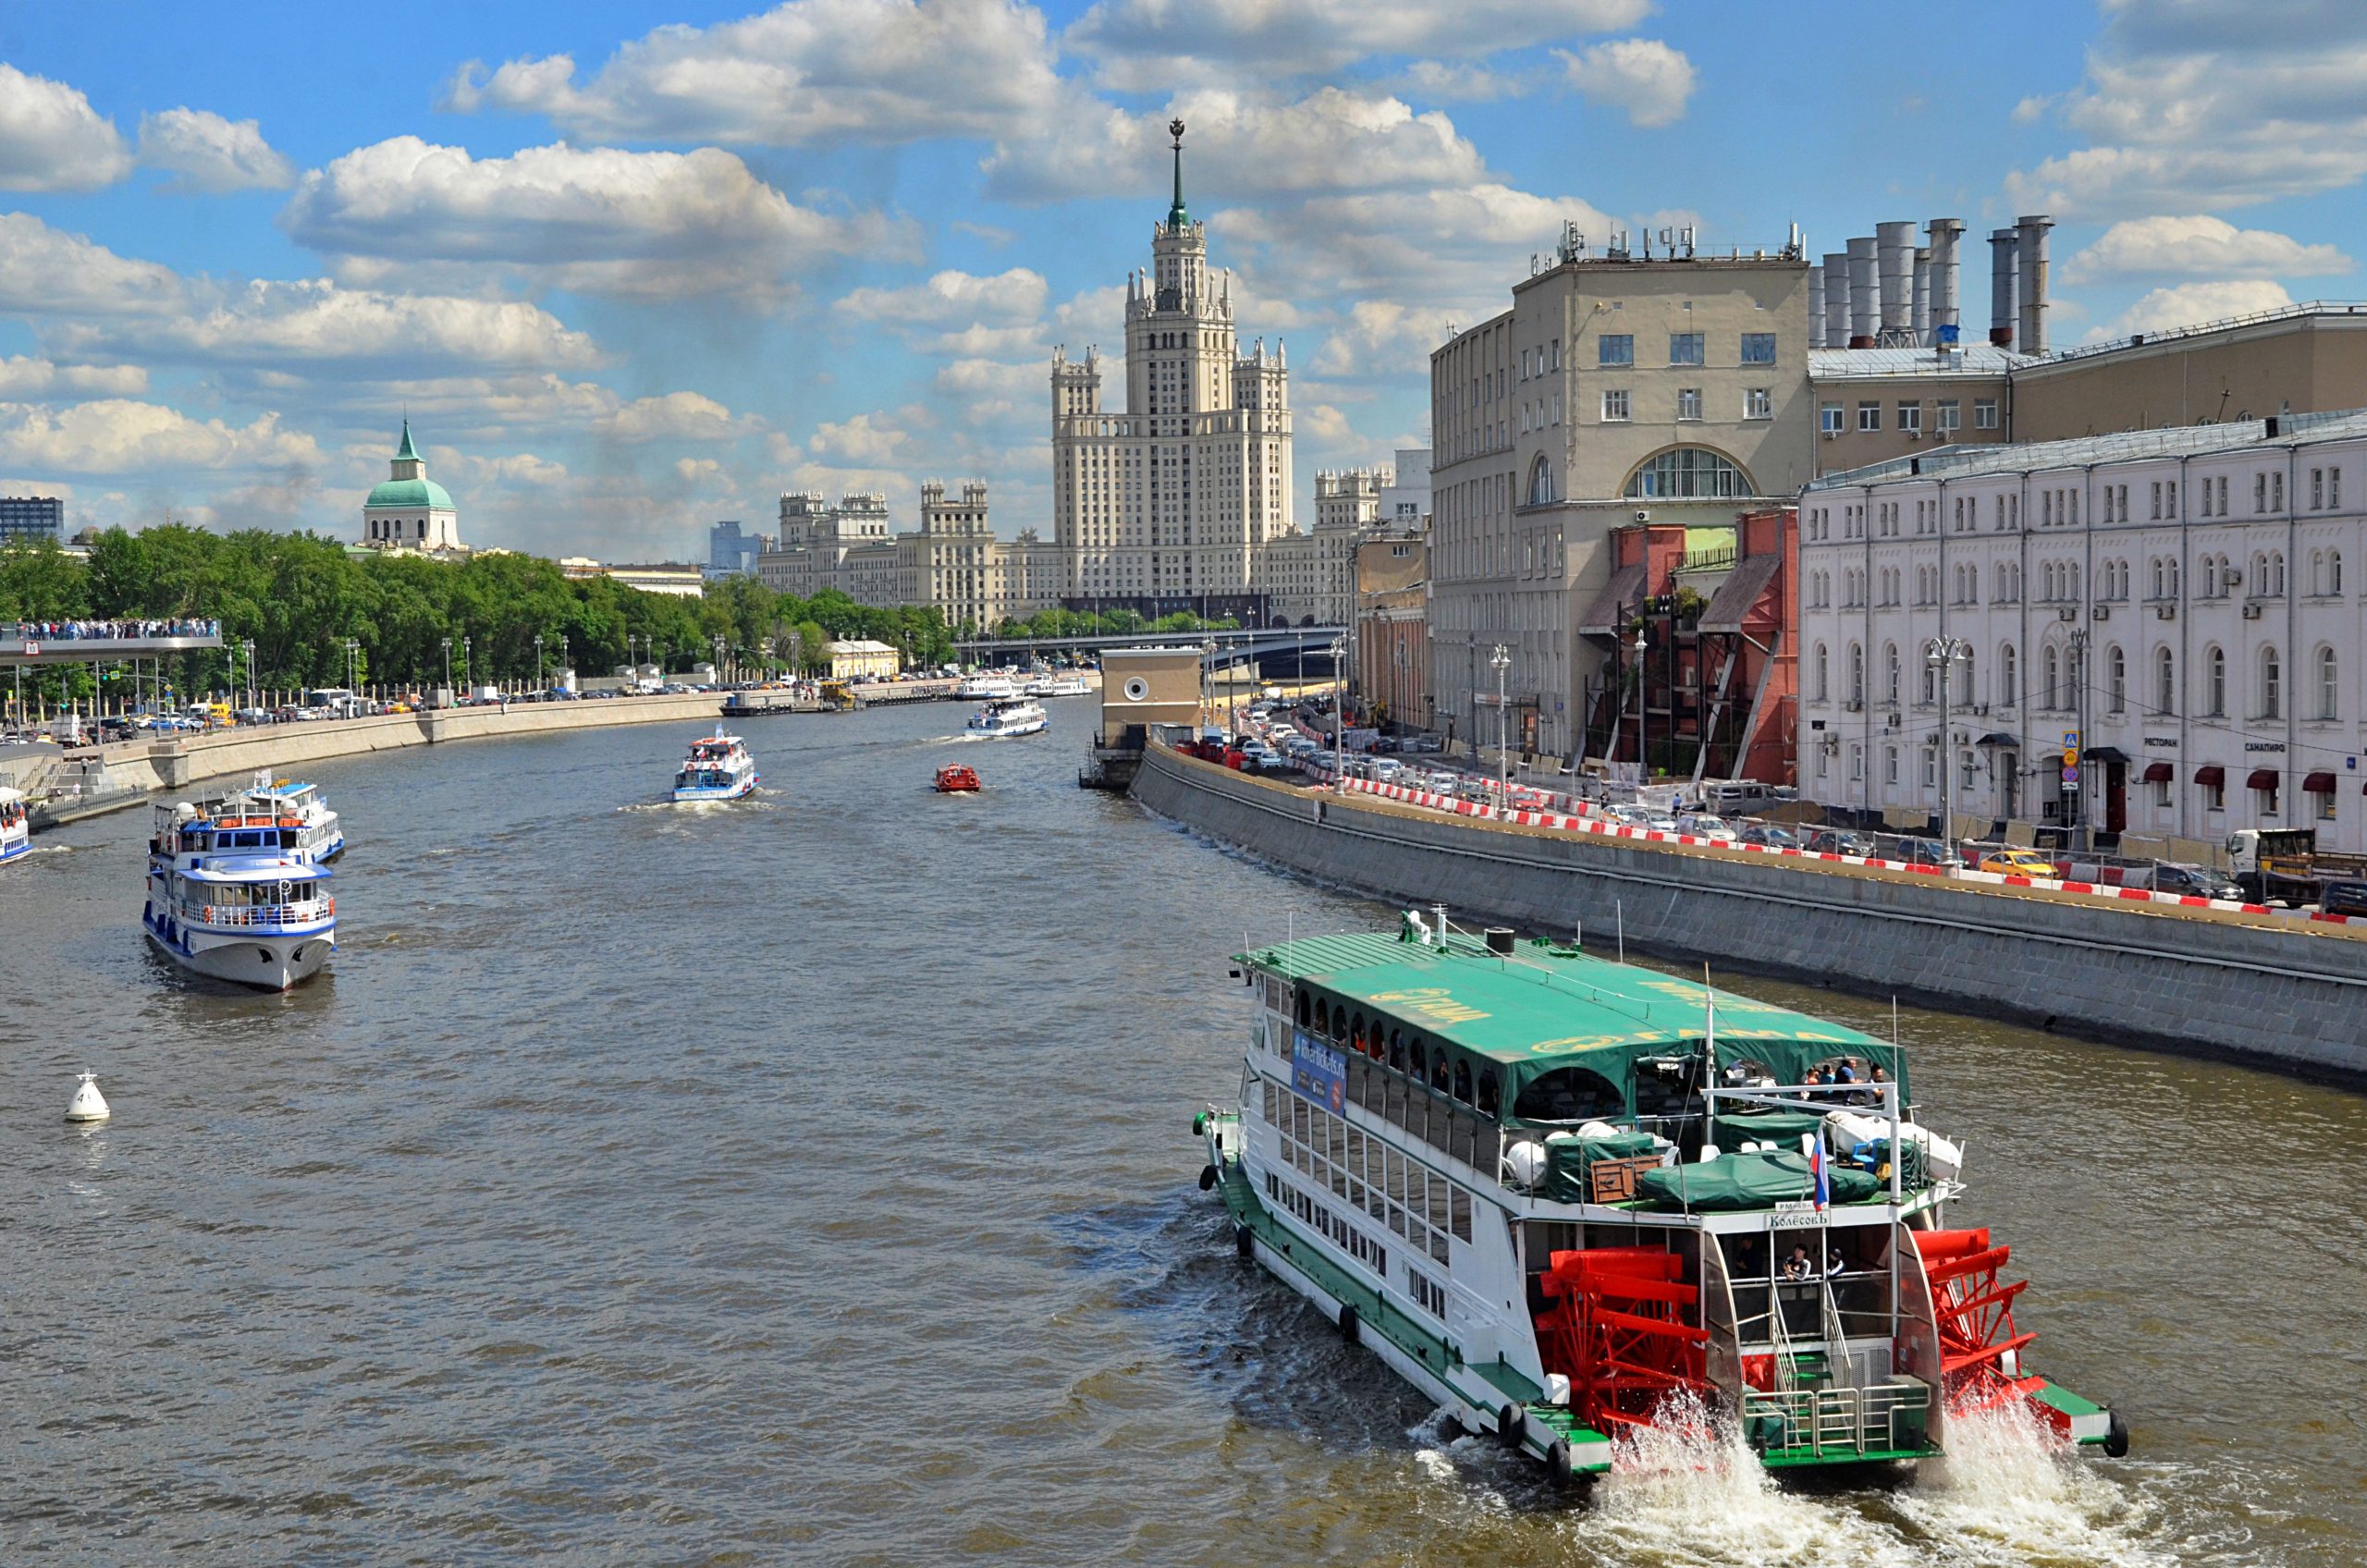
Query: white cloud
1383,337
1148,45
23,377
1453,82
1242,145
2200,246
52,139
805,73
116,435
676,416
208,153
952,298
865,441
46,270
1642,75
2190,106
593,220
316,323
2189,304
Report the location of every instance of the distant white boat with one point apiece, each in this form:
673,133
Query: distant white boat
985,688
16,834
718,768
1008,716
1068,686
228,900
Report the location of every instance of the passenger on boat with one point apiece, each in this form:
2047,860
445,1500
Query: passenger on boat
1800,1265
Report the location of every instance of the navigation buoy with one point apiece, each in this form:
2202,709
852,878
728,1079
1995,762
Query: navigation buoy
88,1104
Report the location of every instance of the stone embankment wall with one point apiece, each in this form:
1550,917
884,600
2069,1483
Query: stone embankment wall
169,765
2284,993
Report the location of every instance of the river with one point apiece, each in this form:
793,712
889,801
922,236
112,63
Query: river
809,1181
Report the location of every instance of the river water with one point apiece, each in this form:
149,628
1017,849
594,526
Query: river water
809,1181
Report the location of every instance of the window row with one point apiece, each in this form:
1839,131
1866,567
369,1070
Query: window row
2062,681
1611,349
1414,1202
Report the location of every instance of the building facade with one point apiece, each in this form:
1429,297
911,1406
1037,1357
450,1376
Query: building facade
409,511
29,520
1391,630
2180,612
730,552
1164,504
952,562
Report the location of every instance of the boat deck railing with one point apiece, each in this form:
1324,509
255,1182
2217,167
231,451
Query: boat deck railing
1838,1421
309,913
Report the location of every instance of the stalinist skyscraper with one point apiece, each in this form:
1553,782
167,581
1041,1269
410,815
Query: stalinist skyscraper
1163,506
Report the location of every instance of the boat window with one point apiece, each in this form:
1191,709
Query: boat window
1421,1059
1339,1022
1667,1088
1302,1005
1438,1070
1397,1049
1357,1031
1488,1102
1569,1093
1463,1080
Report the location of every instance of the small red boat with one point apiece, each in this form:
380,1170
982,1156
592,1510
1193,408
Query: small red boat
957,779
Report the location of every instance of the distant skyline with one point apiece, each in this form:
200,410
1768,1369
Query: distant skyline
633,270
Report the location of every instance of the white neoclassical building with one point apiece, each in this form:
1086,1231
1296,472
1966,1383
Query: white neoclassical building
409,511
2183,609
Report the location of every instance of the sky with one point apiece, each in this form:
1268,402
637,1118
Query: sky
632,269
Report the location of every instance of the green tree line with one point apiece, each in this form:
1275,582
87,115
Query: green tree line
298,596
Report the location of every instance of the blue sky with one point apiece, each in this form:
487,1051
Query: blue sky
634,269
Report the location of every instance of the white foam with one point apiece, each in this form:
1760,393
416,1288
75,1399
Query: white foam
2009,1492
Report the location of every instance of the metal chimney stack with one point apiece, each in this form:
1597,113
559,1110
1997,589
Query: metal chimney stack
2031,259
1945,233
1816,307
1864,295
1895,252
1836,300
2001,288
1922,294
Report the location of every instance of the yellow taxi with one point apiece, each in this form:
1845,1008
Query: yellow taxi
2017,862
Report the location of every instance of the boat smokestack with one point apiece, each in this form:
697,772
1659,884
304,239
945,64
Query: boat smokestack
2031,281
1865,293
2001,288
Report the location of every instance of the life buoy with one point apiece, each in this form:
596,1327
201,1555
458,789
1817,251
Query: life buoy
209,914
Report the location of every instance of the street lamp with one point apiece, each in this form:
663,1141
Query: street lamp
468,673
1941,656
538,662
717,641
354,665
1643,751
447,668
248,646
1339,721
1208,678
1500,661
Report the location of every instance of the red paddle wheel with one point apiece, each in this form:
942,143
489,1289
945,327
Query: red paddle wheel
1980,1348
1617,1328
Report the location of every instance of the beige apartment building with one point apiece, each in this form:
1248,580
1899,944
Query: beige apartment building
952,562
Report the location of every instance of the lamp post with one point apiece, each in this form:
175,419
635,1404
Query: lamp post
467,674
354,665
1643,750
1501,660
1207,677
1941,656
447,668
717,642
247,647
538,662
2076,805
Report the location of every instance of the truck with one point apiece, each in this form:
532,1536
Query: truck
2285,865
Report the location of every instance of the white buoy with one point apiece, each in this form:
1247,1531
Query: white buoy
88,1104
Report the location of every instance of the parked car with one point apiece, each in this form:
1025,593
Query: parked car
2343,897
1423,743
1704,827
1838,841
1766,833
1922,852
2194,882
2016,863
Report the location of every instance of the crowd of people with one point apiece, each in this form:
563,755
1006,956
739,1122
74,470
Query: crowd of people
102,630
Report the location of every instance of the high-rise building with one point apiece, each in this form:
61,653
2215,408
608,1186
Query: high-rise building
1163,504
732,552
27,519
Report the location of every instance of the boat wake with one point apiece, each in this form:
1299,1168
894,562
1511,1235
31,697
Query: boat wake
2009,1493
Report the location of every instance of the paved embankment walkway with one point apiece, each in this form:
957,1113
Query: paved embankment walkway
2275,988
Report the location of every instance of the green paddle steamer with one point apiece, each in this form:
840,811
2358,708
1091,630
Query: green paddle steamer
1569,1199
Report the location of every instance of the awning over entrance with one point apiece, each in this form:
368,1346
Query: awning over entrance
2108,753
2262,778
1738,595
1621,596
2319,783
1998,738
2160,773
2211,777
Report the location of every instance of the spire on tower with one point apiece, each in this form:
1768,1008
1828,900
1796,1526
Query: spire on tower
1176,216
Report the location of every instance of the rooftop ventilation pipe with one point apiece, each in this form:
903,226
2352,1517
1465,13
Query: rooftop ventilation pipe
2031,282
1865,297
1945,233
2001,288
1816,307
1836,300
1922,294
1894,250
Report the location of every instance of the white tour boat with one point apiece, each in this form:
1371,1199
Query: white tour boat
718,768
986,687
1006,716
1069,686
229,898
16,835
308,829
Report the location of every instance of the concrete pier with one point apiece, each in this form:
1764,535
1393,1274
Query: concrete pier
2288,993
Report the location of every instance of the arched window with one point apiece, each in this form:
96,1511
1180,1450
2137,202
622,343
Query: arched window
2276,572
2006,676
1357,1031
1823,687
2214,683
2047,678
1463,1079
1490,1098
1438,1070
1931,683
2334,571
2158,576
1890,671
1964,676
2115,678
1420,1060
2272,685
1304,1008
2259,574
2165,682
1568,1094
2329,683
1856,673
1540,481
1397,1049
1688,471
2174,577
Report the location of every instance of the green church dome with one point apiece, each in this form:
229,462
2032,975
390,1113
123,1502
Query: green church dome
409,493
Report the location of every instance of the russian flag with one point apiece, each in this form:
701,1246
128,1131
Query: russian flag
1812,1147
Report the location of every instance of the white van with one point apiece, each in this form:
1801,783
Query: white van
1736,797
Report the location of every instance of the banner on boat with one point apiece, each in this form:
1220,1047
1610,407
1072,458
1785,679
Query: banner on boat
1319,1071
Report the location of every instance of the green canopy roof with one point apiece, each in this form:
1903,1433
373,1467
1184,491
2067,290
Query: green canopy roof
409,493
1548,1006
